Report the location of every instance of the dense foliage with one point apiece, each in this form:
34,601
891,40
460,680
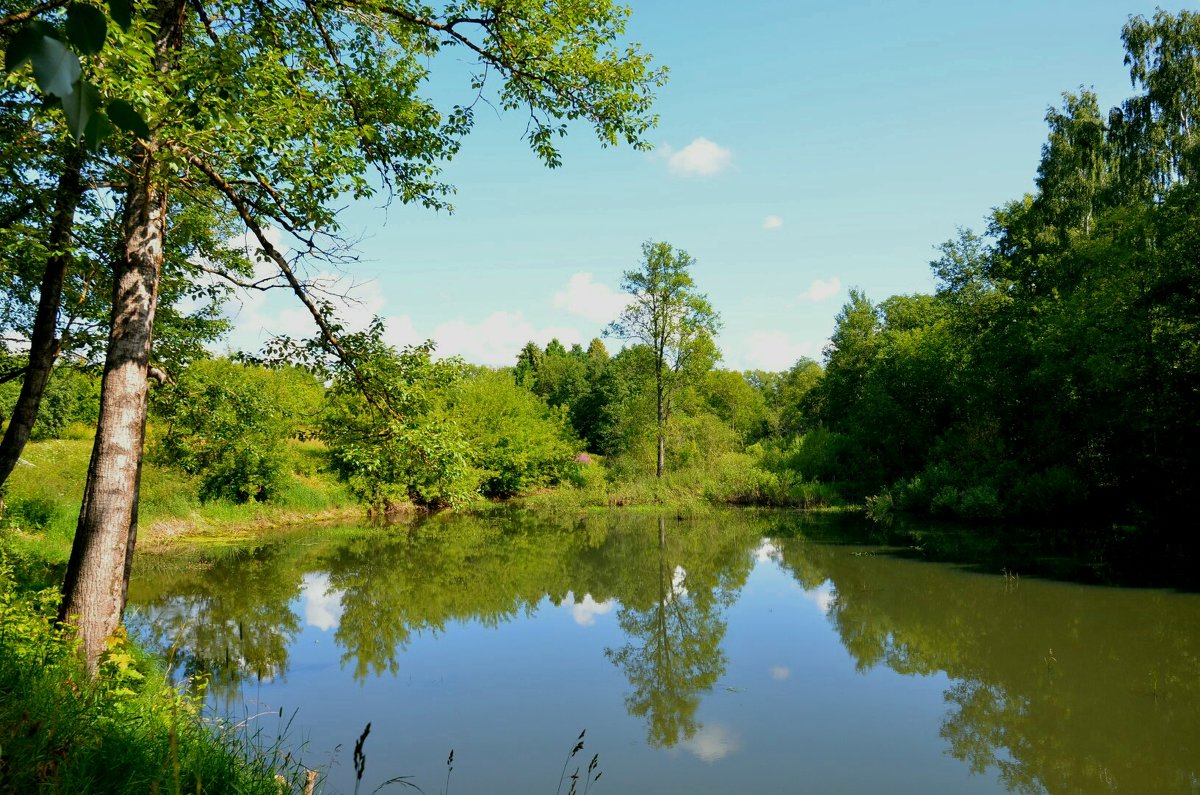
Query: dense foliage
229,424
516,442
71,398
1056,370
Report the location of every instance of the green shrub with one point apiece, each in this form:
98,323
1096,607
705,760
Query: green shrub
70,404
516,442
980,502
1052,491
398,445
816,455
945,501
880,507
29,513
229,424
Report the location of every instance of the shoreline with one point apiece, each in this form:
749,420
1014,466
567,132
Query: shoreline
167,535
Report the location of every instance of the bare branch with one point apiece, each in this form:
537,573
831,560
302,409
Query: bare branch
261,285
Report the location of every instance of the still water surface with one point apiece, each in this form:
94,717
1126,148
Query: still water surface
750,652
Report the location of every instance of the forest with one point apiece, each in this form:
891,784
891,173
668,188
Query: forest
1051,379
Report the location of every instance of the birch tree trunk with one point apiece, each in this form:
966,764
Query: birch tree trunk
97,579
95,587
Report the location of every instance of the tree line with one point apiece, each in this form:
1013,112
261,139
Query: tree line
1055,372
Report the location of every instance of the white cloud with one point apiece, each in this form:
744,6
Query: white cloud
772,222
584,612
821,289
322,604
767,551
700,158
774,351
496,339
678,578
780,672
712,742
590,299
399,331
247,242
822,596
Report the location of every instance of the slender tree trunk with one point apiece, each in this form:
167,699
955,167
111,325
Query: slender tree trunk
662,421
662,452
97,579
95,587
43,346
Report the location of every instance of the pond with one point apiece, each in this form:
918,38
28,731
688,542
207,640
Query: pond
755,652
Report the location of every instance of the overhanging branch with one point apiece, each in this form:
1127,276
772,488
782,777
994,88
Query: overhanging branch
268,249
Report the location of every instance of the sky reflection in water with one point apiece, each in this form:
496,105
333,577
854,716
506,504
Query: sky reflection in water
699,657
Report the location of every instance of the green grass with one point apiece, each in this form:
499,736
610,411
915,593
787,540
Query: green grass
44,492
129,730
729,478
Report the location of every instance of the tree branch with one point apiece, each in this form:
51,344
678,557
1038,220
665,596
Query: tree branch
13,374
505,65
272,253
28,14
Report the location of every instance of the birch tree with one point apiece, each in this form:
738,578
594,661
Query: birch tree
675,321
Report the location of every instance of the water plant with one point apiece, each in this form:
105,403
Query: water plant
592,775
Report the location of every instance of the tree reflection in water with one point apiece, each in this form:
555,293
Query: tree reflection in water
229,619
232,616
674,651
1055,687
1058,687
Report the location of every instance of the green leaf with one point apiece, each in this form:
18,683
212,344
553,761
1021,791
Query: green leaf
55,68
124,116
97,130
79,106
24,43
122,12
86,28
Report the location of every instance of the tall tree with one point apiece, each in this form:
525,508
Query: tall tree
667,314
97,579
1158,130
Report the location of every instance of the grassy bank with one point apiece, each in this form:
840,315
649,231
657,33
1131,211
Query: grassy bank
129,730
725,479
43,494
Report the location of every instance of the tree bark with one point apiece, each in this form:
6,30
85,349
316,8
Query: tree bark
43,345
97,579
96,582
662,452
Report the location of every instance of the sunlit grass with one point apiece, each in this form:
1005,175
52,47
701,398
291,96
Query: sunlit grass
44,492
725,479
129,730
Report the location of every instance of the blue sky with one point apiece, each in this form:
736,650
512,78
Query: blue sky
803,149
